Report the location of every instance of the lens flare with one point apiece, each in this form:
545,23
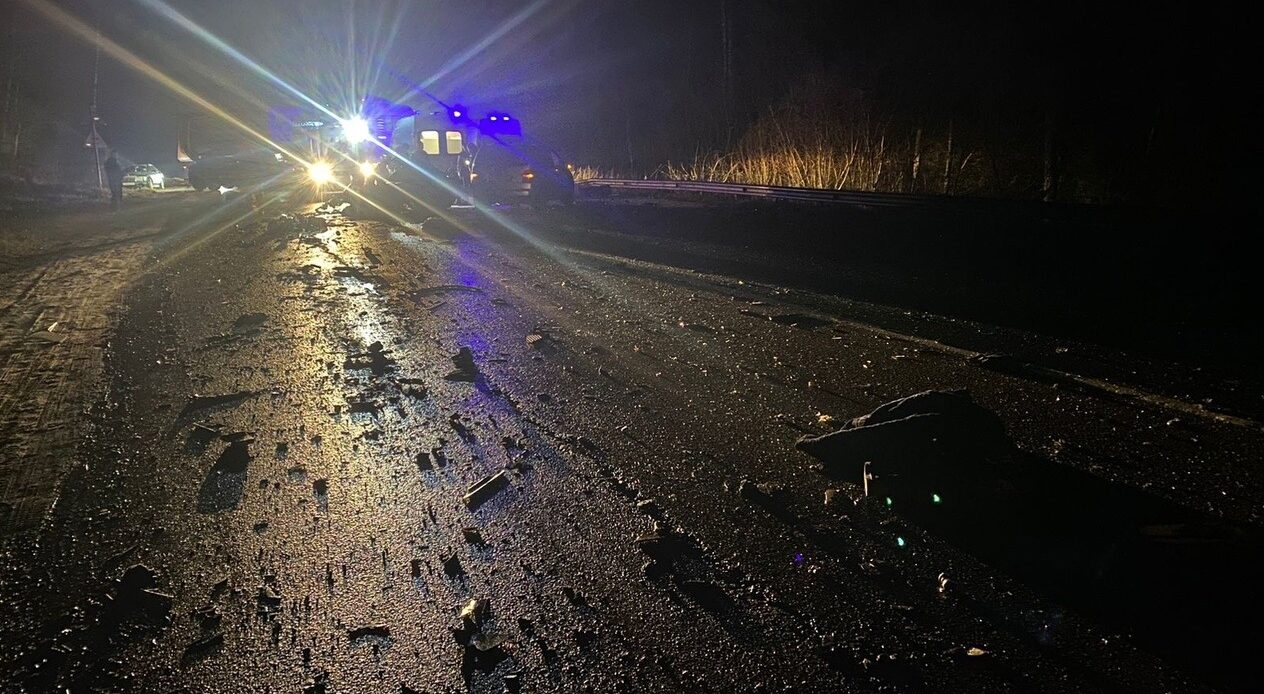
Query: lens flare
356,130
321,172
367,169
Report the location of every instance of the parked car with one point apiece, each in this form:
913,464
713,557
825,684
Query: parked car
144,176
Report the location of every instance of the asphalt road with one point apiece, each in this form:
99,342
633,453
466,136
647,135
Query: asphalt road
245,459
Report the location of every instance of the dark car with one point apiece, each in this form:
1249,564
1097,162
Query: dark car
511,170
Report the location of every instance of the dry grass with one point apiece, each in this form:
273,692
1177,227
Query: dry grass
588,173
789,149
823,137
819,137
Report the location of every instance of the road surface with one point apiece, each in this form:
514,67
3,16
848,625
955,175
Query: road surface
242,451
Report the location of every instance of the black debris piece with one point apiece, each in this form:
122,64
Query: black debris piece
485,489
465,368
204,645
205,402
925,426
235,457
380,631
452,566
376,358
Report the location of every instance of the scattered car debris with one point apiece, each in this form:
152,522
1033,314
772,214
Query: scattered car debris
267,601
661,544
574,597
376,358
474,610
485,488
465,367
199,403
800,320
907,431
204,644
482,648
443,289
249,323
364,406
452,566
235,457
380,631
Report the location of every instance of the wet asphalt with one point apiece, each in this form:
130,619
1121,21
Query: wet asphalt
295,480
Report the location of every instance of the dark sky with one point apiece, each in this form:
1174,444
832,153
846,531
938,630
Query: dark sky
644,79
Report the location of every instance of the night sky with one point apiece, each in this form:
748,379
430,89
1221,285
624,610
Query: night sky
630,84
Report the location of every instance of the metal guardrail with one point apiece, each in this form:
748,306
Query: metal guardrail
845,197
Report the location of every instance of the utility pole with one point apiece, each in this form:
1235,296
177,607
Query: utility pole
95,137
1048,188
726,61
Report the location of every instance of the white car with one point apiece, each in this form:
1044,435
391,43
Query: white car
144,176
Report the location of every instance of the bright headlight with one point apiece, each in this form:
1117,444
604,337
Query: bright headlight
320,172
367,169
356,130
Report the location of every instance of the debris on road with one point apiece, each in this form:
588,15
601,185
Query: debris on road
664,547
235,457
474,610
379,631
481,648
452,566
203,645
907,431
135,596
473,536
248,323
485,488
294,225
443,289
465,368
204,402
376,358
800,320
